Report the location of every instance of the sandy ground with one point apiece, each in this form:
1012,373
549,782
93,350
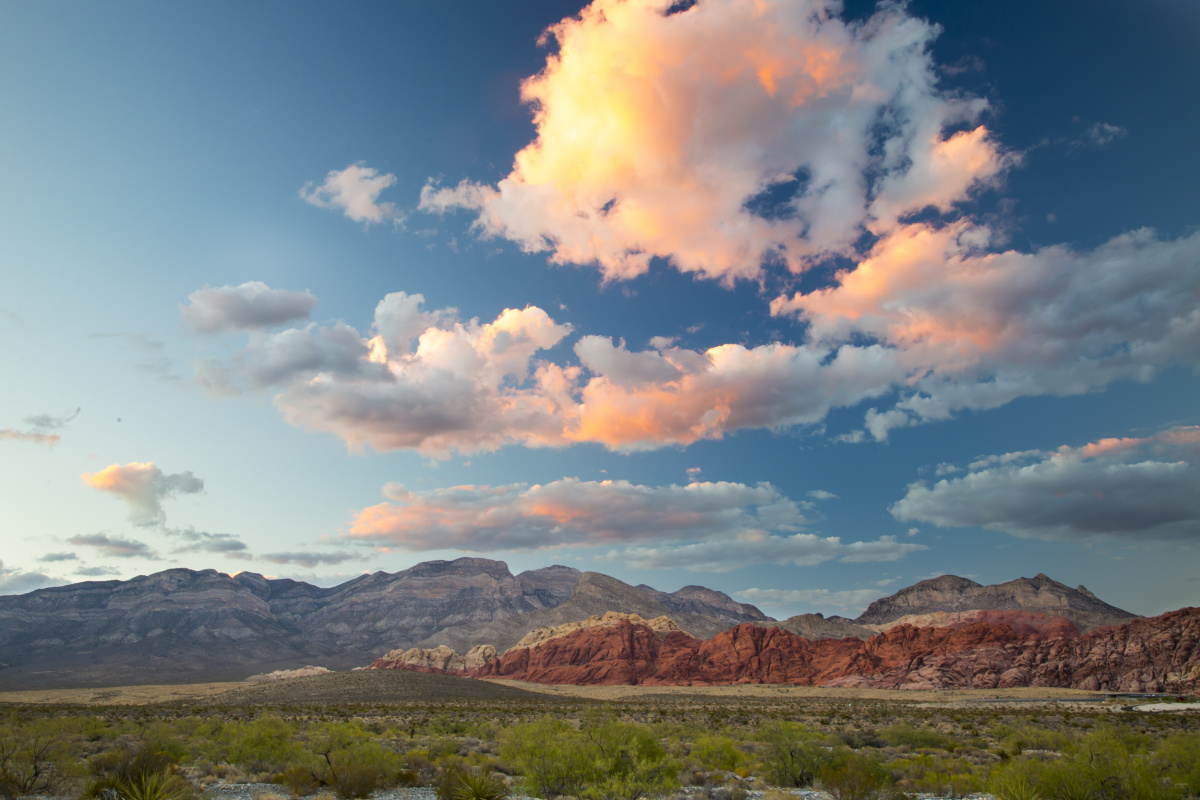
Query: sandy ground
169,693
1024,695
121,695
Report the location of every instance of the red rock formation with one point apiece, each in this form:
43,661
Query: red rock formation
1158,654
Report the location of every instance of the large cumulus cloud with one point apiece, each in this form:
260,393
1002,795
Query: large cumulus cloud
249,306
1131,489
736,133
976,329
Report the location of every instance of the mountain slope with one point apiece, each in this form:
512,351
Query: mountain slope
182,625
950,593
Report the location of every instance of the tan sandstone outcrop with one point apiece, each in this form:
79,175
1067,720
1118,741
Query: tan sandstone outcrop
284,674
436,659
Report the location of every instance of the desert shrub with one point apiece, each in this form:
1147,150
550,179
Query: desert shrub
32,758
351,780
852,777
1015,786
941,776
604,760
716,752
924,738
630,762
857,740
550,754
793,754
1178,756
265,744
1018,739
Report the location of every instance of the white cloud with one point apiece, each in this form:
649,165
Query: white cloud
734,134
821,494
1135,489
143,487
355,192
250,306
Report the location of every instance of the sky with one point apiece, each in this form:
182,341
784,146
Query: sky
802,301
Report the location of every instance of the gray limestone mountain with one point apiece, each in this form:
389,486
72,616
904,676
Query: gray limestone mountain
182,625
950,594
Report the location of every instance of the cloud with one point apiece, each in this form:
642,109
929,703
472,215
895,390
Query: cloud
798,549
51,421
853,601
143,487
1100,135
33,437
114,546
310,560
97,572
730,135
250,306
1131,489
470,386
153,361
204,542
55,557
821,494
14,580
976,329
355,192
570,512
703,526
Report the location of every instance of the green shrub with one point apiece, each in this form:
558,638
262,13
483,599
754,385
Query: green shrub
716,752
793,754
550,754
456,782
32,758
917,738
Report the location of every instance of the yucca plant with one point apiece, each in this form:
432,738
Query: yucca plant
1016,787
158,785
478,785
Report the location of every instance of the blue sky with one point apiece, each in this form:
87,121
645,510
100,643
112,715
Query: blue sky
807,302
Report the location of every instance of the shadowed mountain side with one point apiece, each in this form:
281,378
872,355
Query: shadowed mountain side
950,593
204,626
1157,654
704,613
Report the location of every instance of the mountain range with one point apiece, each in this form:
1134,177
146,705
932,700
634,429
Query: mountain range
182,625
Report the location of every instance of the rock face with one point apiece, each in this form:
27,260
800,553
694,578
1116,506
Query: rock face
538,636
181,625
818,626
1157,654
950,594
440,659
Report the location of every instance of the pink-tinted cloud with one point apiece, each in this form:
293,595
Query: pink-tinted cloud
658,133
355,192
976,329
429,382
34,437
250,306
1131,489
143,486
703,526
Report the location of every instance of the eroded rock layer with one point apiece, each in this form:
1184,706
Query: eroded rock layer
1156,654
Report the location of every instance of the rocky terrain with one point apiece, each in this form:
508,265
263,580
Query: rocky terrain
186,626
949,593
1157,654
182,626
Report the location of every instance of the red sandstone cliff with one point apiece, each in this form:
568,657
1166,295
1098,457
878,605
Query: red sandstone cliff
1157,654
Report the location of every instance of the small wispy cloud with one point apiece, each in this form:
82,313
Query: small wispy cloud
114,546
355,192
